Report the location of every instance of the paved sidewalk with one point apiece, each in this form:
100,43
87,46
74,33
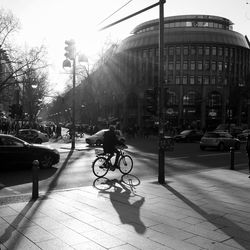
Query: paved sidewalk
205,210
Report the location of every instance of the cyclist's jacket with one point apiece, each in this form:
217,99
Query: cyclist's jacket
110,141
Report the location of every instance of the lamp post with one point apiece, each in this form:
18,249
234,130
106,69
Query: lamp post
71,56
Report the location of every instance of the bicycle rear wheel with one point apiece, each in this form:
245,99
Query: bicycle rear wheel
125,164
98,167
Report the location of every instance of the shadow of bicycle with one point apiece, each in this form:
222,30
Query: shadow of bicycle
120,193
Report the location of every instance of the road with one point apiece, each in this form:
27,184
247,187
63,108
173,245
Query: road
74,169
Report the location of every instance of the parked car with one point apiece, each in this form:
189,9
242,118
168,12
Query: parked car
14,151
243,136
219,140
97,138
189,135
32,136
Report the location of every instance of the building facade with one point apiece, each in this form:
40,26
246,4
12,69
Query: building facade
206,71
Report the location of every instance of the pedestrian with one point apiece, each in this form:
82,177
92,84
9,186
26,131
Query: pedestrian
248,152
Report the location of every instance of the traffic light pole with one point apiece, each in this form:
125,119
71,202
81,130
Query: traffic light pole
73,106
161,156
161,167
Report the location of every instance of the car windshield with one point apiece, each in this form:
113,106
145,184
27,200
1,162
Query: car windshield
185,132
100,132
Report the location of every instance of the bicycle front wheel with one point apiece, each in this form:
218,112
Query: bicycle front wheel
98,167
125,164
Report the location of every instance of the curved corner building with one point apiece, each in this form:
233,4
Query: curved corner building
206,67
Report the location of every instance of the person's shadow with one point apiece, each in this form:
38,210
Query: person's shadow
129,213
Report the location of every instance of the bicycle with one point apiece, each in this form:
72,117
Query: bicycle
101,165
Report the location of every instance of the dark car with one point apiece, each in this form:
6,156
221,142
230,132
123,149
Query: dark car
16,152
189,135
32,136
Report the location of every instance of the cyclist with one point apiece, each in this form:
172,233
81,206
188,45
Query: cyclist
110,141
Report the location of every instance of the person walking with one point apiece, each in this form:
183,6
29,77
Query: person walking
248,153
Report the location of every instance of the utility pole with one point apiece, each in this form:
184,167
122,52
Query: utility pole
161,156
161,112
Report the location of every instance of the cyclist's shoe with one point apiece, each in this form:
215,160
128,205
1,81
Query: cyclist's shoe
112,168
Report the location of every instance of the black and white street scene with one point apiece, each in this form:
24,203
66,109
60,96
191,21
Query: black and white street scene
124,125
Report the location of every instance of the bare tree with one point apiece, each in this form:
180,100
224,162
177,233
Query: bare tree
15,61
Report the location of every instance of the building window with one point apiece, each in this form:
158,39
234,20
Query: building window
213,80
207,51
170,66
184,80
178,66
207,66
214,51
200,51
200,66
220,68
189,98
214,66
172,99
185,65
226,52
185,51
220,51
192,65
171,51
178,50
193,51
199,80
177,80
214,100
206,80
191,80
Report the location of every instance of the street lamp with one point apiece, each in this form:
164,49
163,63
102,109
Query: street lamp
71,56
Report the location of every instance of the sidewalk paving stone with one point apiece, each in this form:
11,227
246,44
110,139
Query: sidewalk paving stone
203,210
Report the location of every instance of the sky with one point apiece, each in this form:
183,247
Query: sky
51,22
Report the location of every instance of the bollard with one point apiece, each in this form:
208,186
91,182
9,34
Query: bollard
35,166
232,158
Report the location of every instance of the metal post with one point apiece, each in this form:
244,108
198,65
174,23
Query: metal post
73,105
35,165
232,158
161,168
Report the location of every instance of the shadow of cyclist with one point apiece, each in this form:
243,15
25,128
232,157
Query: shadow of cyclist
129,213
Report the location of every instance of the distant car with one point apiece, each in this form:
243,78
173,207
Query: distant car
243,136
97,138
219,140
16,152
32,136
189,135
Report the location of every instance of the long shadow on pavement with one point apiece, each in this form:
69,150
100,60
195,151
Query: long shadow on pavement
129,213
241,233
6,236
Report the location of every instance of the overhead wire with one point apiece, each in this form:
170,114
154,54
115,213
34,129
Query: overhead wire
115,12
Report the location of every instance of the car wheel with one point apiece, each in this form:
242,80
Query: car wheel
202,147
237,146
38,141
221,146
46,161
98,143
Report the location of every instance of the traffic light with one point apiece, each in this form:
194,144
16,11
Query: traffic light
70,49
151,101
